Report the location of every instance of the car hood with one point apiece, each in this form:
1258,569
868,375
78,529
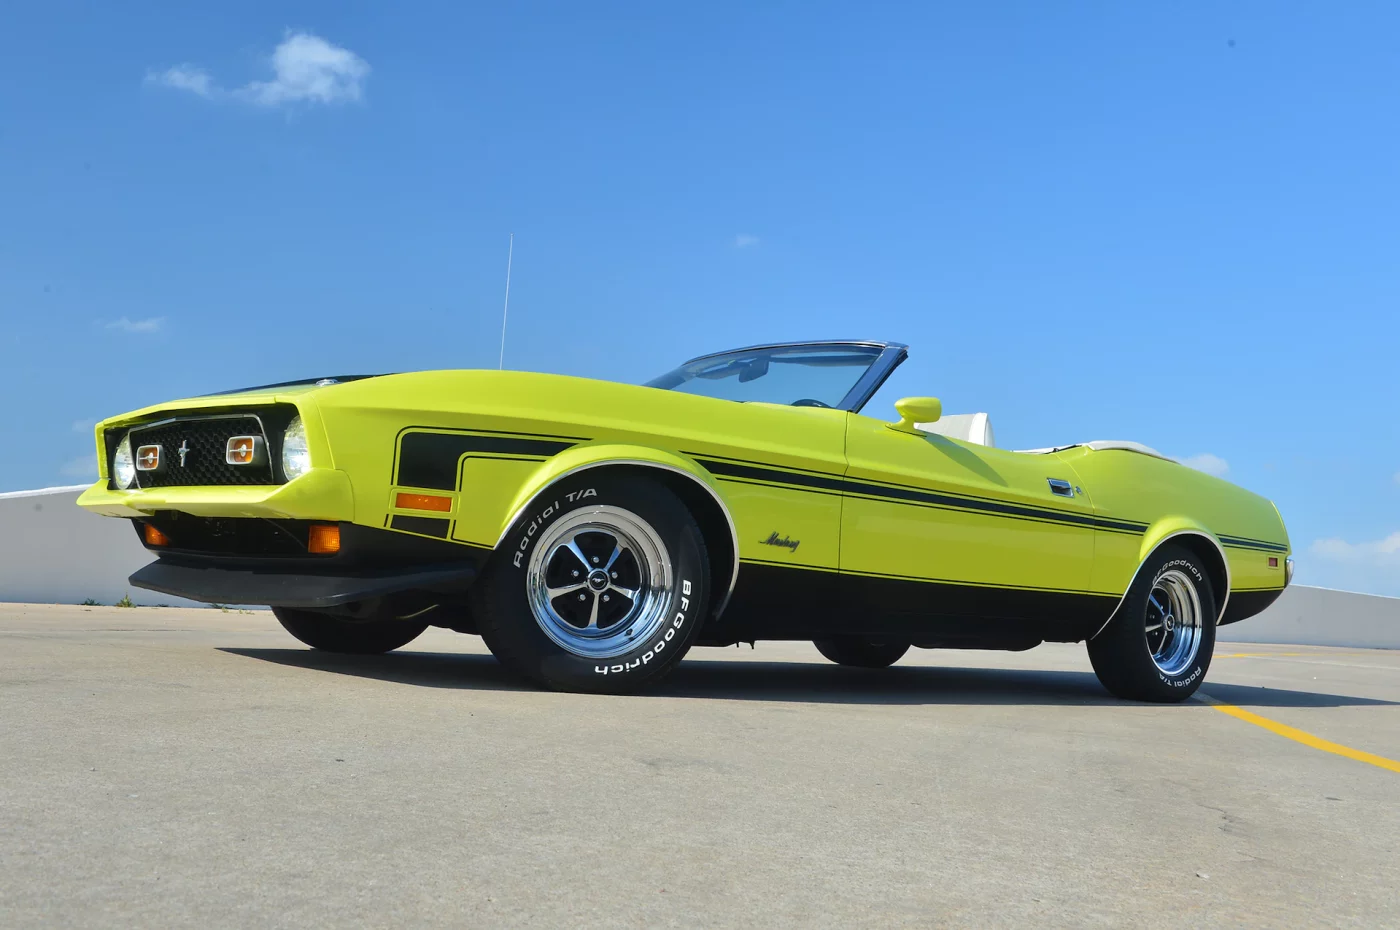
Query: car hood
292,387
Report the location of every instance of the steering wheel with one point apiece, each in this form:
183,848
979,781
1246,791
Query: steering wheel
808,402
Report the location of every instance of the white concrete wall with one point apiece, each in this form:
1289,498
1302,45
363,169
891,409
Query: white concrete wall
1322,617
54,552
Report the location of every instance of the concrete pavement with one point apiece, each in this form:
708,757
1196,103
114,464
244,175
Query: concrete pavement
175,767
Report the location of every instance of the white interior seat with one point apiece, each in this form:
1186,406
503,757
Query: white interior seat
969,427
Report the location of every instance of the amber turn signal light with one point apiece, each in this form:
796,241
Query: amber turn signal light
153,536
423,502
324,539
244,450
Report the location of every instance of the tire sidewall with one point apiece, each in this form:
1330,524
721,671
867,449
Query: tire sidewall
515,629
1189,679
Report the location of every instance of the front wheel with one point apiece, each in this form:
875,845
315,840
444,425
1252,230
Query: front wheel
601,585
860,653
1159,645
331,633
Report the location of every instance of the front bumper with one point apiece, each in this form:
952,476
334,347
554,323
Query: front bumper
278,587
320,494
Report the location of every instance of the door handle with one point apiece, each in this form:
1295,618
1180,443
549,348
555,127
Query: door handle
1060,487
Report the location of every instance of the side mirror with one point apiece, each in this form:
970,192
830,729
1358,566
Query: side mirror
913,410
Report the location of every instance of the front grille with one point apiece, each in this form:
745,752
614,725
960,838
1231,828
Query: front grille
204,441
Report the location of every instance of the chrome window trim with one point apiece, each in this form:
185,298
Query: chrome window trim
724,509
800,344
890,358
1229,583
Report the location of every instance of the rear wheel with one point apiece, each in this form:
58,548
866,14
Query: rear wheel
860,653
332,633
1159,645
602,585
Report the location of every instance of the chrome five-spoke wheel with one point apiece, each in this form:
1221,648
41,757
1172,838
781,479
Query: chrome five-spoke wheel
1173,622
1158,644
598,582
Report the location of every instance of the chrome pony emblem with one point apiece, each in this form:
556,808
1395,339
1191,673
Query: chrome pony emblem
184,450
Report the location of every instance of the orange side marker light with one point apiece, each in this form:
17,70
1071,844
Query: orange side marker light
423,502
324,539
153,536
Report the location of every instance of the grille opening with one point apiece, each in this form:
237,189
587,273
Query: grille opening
204,439
229,535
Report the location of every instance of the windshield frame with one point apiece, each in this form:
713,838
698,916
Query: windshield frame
891,355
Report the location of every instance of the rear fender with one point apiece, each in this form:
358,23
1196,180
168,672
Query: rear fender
1190,532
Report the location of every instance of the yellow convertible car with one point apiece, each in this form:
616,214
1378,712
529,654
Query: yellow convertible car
592,532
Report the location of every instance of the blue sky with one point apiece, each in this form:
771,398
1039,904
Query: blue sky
1175,223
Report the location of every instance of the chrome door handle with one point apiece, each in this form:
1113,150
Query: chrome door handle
1060,487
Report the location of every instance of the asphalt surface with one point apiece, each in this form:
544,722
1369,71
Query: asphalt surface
200,768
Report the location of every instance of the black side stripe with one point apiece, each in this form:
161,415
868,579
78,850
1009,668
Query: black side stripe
834,484
918,496
430,459
819,482
1240,542
910,495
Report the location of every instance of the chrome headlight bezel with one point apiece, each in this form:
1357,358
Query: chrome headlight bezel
123,465
296,455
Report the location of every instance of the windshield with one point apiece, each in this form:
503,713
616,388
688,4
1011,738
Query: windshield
809,376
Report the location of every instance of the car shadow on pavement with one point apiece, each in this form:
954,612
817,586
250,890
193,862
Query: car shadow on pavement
424,669
923,684
796,682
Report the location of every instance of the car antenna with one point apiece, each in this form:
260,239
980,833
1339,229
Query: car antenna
505,312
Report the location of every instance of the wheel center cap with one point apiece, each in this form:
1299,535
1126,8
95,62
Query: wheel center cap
1170,623
597,579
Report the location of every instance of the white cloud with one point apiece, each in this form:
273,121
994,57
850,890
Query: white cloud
84,466
1210,464
745,241
1384,553
184,77
305,69
125,325
308,69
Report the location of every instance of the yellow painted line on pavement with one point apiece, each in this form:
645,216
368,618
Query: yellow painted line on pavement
1271,655
1299,736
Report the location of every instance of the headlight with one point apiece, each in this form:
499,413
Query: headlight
123,465
296,458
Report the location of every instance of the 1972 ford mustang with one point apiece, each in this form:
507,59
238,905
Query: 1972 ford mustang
592,532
